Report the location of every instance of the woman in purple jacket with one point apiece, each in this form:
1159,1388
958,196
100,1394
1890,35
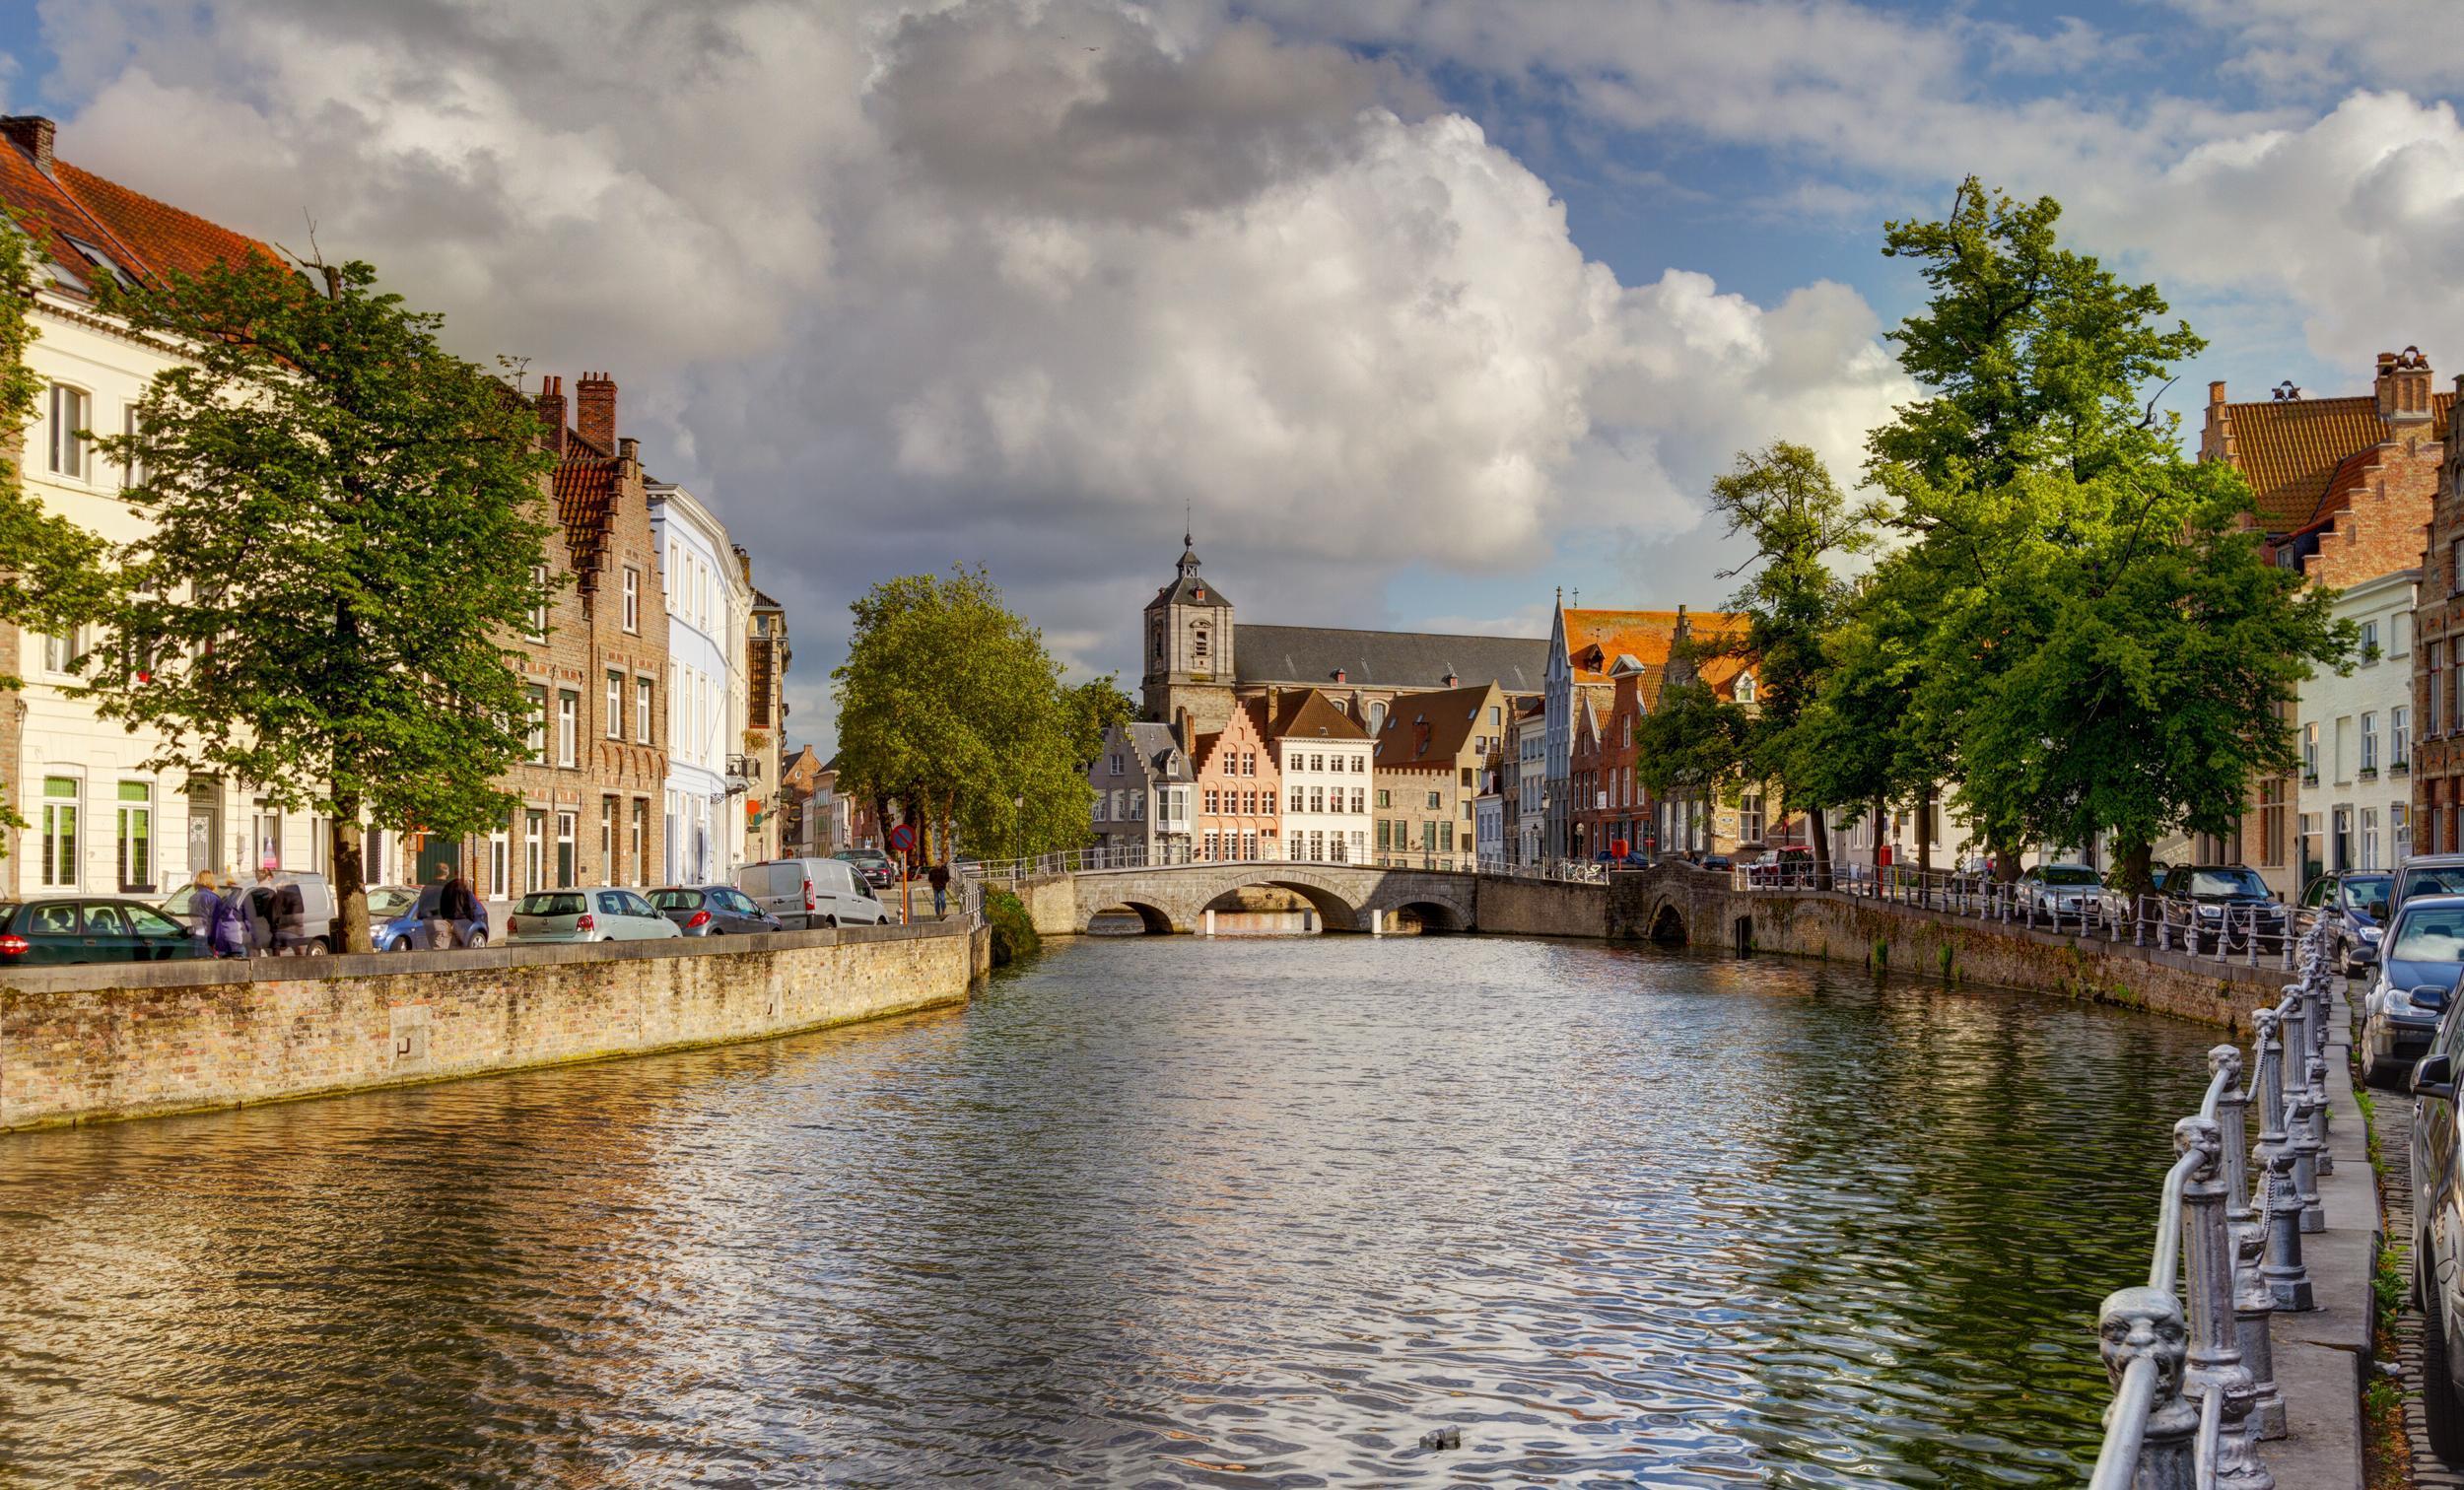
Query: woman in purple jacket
230,934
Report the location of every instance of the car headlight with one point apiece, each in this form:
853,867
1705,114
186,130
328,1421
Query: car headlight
2395,1000
2211,912
2372,933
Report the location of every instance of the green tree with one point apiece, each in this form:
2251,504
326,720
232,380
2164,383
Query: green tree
1100,705
2048,633
1691,743
52,574
1783,499
343,538
950,708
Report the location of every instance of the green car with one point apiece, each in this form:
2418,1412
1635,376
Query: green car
600,913
51,930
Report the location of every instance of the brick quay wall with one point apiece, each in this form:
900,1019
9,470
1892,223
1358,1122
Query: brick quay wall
90,1043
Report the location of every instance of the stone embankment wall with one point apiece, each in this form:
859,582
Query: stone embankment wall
1539,907
86,1044
1939,944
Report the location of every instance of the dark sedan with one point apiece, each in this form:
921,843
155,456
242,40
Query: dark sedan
2226,905
712,910
56,929
2419,962
2354,908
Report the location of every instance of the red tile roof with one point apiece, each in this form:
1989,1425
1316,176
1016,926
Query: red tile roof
145,238
586,497
2294,452
1596,639
1308,712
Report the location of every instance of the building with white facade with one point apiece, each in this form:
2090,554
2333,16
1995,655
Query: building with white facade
696,561
2355,734
1323,758
99,819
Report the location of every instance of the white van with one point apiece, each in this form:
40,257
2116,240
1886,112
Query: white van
811,892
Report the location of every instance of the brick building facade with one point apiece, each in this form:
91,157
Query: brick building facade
595,664
1238,791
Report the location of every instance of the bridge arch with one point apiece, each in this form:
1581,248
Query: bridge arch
1668,923
1154,919
1434,916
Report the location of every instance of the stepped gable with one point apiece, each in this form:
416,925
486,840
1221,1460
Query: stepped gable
2299,454
1315,654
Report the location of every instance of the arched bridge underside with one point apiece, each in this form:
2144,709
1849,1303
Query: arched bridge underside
1176,898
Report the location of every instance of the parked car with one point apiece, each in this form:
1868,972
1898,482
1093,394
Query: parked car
290,910
2438,1237
597,914
2419,963
2354,906
2426,874
803,893
1718,861
874,866
712,910
49,930
2223,903
2061,892
405,928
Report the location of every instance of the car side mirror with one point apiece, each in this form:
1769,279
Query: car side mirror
2434,1076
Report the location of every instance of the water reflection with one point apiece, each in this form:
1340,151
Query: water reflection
1164,1211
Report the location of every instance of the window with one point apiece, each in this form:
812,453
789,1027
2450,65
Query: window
136,837
2369,742
1248,763
1198,645
133,470
2370,838
2400,832
1435,801
534,850
1360,799
68,424
2309,752
59,832
615,725
1386,800
642,710
1386,835
633,598
2430,704
538,725
2399,737
609,808
1750,818
1298,803
1212,802
539,606
1494,714
2272,809
2370,642
567,728
65,656
1317,763
1744,688
1214,844
499,864
1099,807
565,868
1137,805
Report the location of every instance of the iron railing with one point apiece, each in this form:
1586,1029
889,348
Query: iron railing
2189,1354
1010,871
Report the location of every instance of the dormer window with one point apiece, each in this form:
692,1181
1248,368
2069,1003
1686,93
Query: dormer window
1744,688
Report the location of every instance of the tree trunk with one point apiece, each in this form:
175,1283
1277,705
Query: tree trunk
2136,876
350,878
1924,833
1881,843
1821,835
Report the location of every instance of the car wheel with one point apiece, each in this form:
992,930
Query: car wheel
478,939
398,944
2372,1073
831,922
2442,1414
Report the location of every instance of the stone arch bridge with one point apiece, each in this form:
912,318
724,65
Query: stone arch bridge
1344,897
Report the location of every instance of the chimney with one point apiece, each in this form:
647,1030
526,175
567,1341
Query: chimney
33,134
2404,387
1338,675
594,410
551,404
1182,730
2215,391
1452,680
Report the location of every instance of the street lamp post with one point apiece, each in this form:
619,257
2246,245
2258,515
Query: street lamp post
1019,824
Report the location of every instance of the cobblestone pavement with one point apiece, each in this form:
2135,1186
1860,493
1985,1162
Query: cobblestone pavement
2394,1122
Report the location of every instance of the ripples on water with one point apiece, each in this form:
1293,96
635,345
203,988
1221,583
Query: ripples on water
1159,1212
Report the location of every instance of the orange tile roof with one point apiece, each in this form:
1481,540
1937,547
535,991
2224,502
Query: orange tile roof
2293,451
1308,712
146,238
586,497
1644,636
1450,717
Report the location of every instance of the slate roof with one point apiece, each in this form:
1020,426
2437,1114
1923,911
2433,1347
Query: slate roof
1309,656
1150,741
1452,716
145,238
2293,451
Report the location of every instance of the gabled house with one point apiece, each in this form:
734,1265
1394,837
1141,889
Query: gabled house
1431,760
1142,781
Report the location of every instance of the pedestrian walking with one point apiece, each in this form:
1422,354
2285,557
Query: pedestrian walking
204,906
939,877
229,934
452,909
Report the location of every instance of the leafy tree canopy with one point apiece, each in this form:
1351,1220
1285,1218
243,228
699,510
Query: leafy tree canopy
344,532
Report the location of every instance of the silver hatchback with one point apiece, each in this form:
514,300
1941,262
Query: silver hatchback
598,913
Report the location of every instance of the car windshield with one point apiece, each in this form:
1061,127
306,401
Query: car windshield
2433,879
676,900
389,900
550,905
2071,874
2367,893
2227,882
2430,934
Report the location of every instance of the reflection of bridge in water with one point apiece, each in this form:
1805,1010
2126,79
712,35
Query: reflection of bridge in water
1341,897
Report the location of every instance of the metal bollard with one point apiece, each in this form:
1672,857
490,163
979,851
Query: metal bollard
2252,1305
2278,1200
2140,1334
2233,1118
2214,1359
2300,1133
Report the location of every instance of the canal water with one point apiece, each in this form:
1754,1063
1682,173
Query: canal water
1157,1212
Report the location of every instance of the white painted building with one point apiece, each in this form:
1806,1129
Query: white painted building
1322,757
696,559
98,819
2355,736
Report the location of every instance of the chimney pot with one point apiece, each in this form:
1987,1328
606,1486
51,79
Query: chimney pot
551,406
32,133
2403,388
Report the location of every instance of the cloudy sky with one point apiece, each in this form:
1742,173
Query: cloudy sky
1421,309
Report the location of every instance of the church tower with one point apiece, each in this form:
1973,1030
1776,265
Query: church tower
1189,649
